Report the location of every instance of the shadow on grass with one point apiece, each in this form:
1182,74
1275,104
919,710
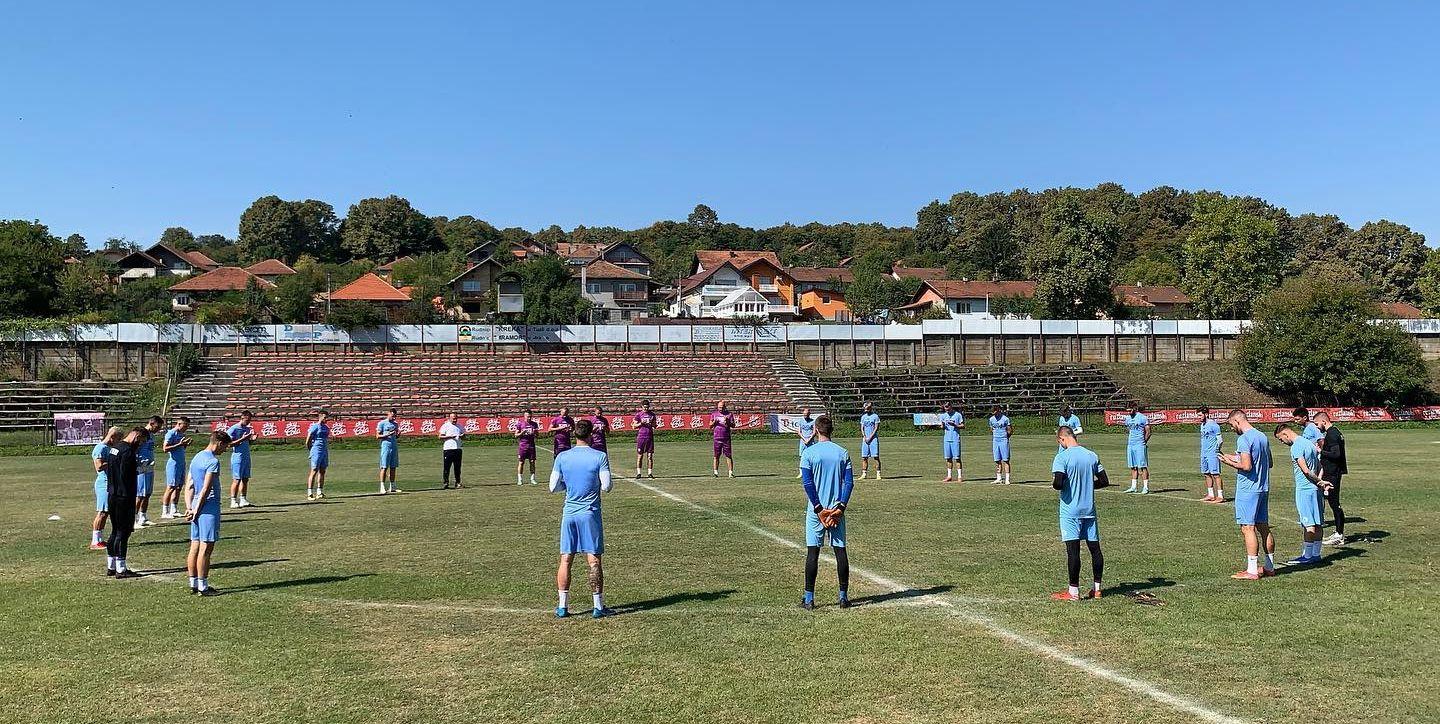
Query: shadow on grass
176,542
222,564
1369,536
237,521
893,477
900,595
291,583
1326,560
673,599
1129,587
1168,490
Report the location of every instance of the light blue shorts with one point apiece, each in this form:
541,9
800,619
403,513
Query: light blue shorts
102,496
174,474
1307,506
870,449
319,459
582,533
1001,450
952,449
145,481
206,527
815,533
1136,456
1072,528
1210,464
240,466
1252,508
389,455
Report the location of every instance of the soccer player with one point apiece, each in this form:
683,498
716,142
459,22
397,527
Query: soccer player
100,456
122,476
241,434
145,473
1251,461
204,512
1000,432
721,424
387,431
1069,419
174,445
645,421
869,441
1210,457
805,428
1078,473
525,447
951,423
828,479
1136,448
560,427
1300,417
451,454
601,426
1305,464
583,473
317,441
1332,467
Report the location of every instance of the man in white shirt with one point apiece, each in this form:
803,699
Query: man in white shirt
451,432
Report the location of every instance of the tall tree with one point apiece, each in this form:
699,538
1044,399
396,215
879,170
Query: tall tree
1229,257
1390,257
464,233
30,262
75,246
1072,262
552,296
180,238
386,229
274,227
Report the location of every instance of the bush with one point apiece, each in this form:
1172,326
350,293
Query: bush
1314,341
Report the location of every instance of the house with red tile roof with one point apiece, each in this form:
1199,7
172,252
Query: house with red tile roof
728,284
974,299
187,294
370,288
617,293
271,270
158,261
1401,310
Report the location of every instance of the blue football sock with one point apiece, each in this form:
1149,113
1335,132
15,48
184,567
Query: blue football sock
809,596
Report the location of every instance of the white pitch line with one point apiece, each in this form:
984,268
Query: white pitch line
996,629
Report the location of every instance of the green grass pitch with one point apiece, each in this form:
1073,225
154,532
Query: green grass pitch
436,605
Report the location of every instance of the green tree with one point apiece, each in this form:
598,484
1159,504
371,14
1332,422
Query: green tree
274,227
440,266
934,230
84,287
30,262
387,228
1150,270
295,293
75,246
180,238
1314,341
552,295
1071,263
874,292
1229,258
1429,283
351,315
1390,257
142,300
463,233
703,218
121,244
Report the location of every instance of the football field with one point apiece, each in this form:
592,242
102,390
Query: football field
437,605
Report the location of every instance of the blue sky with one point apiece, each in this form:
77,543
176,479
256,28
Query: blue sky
124,118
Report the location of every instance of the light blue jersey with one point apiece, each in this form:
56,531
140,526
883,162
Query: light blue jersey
869,435
177,454
1210,447
1311,433
1080,465
1307,494
1136,424
100,452
580,469
1257,478
240,449
145,451
1072,422
998,427
826,467
205,463
389,451
805,428
950,422
319,436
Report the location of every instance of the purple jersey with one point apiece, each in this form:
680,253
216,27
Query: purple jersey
720,423
562,434
645,425
527,430
597,437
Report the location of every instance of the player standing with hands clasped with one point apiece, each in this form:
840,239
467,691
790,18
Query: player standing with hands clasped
1210,457
388,432
1000,432
1137,442
951,422
829,479
869,441
805,428
721,423
525,432
583,473
645,421
317,440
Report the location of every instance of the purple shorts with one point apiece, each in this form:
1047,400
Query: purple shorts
561,445
645,445
527,452
722,448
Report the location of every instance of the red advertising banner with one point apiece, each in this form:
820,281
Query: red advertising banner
411,427
1278,415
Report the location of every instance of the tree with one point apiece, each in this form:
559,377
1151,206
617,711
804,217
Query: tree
121,244
30,262
1150,270
180,238
1229,257
552,296
703,218
75,246
463,233
1314,341
1071,263
387,228
874,292
83,287
934,231
295,293
351,315
1390,257
275,228
1429,283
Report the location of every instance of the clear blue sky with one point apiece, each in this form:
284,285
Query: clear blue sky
123,119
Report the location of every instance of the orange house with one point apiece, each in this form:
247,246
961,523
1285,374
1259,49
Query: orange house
821,292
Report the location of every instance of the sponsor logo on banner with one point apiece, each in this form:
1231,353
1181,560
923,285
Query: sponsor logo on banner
79,428
926,419
409,427
1276,415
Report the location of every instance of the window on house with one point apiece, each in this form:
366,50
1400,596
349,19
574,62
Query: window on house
182,300
626,287
762,281
824,298
470,285
593,287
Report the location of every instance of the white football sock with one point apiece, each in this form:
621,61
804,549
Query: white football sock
1210,491
564,599
1075,591
193,581
109,563
1007,478
1252,563
598,599
519,479
94,537
1097,587
202,583
120,565
1269,561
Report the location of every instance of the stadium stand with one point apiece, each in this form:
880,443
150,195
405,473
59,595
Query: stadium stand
32,405
202,395
290,385
1027,390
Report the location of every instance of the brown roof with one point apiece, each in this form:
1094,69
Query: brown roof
269,268
924,273
711,258
573,250
369,288
387,266
951,289
1150,295
820,275
601,269
1401,310
199,259
224,279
